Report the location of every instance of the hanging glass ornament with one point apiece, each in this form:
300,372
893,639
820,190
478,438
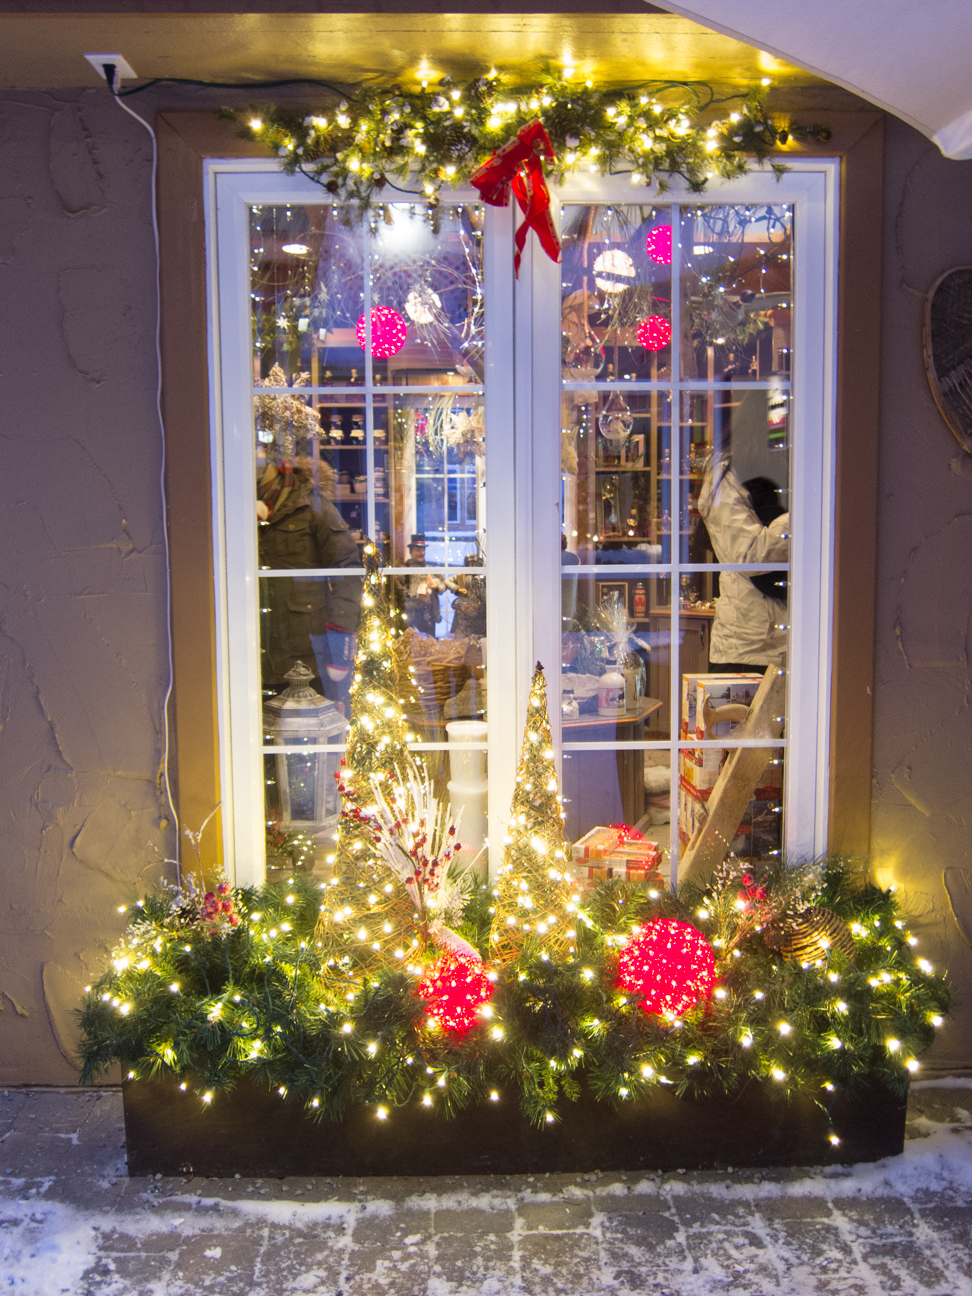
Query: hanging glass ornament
615,419
471,364
583,355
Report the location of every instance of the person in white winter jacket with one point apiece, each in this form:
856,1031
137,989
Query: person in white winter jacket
749,628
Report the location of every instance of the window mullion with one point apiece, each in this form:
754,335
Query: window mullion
675,452
503,579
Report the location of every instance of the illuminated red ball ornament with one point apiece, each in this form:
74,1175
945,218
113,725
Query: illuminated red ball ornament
454,989
658,244
669,965
388,332
654,333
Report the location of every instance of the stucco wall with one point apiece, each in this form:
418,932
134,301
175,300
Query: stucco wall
82,608
922,791
82,581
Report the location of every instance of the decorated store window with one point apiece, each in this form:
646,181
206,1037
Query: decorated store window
676,405
366,425
677,426
524,619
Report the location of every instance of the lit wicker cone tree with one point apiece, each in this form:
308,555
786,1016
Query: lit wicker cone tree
533,910
363,899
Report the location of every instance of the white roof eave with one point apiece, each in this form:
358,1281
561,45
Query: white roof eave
908,57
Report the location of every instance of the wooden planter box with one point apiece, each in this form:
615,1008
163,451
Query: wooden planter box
254,1132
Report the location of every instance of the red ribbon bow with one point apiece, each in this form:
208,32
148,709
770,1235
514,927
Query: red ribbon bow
517,166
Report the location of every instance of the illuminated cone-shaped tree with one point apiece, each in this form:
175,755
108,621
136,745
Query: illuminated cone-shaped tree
533,909
356,905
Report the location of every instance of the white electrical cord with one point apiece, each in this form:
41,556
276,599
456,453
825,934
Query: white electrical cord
111,78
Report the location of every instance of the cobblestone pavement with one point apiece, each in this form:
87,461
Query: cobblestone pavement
71,1221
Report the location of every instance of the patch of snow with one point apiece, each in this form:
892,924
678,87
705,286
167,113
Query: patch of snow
49,1248
46,1247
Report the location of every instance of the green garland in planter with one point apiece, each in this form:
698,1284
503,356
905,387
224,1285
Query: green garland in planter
229,987
392,139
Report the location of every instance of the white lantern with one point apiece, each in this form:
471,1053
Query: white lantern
302,717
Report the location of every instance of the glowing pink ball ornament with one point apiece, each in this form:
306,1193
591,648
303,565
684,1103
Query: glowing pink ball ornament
669,965
654,333
388,332
658,244
454,989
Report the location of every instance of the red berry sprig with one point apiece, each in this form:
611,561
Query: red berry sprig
218,908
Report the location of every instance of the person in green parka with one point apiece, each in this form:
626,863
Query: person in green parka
312,619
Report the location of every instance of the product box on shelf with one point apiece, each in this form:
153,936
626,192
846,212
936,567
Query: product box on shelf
617,851
758,834
695,788
700,776
689,688
715,691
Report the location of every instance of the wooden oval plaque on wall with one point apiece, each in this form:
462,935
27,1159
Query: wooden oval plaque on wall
948,350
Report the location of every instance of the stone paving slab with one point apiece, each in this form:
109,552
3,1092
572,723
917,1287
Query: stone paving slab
72,1221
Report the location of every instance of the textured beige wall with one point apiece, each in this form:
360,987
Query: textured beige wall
82,658
922,797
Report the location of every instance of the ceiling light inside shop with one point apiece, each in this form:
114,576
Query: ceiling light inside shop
296,249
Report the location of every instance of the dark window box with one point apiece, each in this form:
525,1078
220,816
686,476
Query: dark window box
254,1132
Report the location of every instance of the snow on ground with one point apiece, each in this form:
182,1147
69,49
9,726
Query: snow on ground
72,1222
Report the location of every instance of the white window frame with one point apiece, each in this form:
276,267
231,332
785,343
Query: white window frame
522,391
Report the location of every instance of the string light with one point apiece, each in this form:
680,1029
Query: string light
658,244
666,965
534,900
454,990
389,332
654,333
669,966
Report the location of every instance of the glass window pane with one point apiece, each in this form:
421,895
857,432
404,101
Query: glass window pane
307,289
309,624
605,788
746,428
436,476
464,771
427,294
615,659
443,648
616,467
426,288
757,833
734,493
344,458
736,294
616,292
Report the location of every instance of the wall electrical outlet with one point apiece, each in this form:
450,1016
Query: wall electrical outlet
123,69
